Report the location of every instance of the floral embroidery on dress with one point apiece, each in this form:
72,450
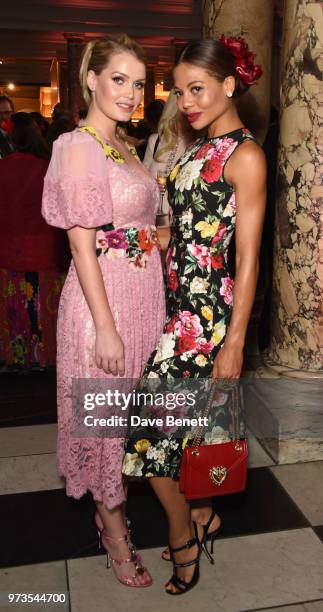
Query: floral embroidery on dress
131,242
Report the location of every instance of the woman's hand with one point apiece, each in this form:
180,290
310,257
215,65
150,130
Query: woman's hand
228,363
109,352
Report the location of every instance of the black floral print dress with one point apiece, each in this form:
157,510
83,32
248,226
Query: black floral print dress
199,286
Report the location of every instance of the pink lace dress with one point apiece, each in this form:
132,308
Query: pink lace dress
88,187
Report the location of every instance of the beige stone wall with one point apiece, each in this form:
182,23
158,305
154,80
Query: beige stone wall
252,19
297,325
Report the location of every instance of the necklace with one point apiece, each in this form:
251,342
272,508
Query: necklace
108,149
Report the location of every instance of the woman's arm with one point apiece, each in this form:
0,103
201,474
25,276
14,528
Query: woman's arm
109,350
149,155
246,171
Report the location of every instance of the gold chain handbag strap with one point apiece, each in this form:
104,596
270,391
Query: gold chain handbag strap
226,385
198,436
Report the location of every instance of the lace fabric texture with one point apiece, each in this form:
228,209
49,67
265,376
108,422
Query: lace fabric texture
83,187
68,203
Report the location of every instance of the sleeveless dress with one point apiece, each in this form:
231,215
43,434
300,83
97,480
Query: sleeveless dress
199,286
88,184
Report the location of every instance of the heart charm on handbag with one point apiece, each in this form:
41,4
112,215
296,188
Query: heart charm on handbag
218,474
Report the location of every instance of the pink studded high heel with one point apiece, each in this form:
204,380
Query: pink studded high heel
134,558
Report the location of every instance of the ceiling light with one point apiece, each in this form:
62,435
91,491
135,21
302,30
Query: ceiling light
11,86
1,62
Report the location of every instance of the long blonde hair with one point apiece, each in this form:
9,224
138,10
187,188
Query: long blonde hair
97,53
172,125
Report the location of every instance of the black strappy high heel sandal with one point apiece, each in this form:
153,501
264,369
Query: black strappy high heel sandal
206,535
178,583
204,548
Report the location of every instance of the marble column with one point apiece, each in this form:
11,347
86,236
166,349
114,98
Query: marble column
252,19
75,43
286,412
297,318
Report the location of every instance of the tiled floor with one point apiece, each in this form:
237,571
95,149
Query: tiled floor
269,553
298,481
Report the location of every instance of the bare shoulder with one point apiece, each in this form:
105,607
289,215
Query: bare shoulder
248,153
248,161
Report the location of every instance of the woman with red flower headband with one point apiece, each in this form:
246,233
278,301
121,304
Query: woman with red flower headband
216,188
248,71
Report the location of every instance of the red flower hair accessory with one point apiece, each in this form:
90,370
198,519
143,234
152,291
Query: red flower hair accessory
245,66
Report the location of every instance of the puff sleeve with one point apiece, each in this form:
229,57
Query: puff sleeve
76,185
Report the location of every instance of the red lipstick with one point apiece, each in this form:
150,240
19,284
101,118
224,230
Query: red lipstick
192,117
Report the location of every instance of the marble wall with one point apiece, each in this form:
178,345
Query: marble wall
252,19
297,320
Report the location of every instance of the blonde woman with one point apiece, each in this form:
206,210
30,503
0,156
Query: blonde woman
165,148
112,306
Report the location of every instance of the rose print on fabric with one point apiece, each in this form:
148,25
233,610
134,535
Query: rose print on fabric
188,324
226,289
188,174
199,287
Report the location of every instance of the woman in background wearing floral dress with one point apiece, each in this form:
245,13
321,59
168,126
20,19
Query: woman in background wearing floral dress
33,256
216,188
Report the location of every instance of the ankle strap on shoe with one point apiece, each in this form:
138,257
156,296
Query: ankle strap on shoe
123,538
211,517
187,544
187,563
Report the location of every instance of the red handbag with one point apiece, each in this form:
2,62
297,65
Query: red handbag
215,469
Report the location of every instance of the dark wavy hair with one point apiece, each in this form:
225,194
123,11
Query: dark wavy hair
215,58
27,137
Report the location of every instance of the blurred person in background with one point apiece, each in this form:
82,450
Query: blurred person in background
148,125
164,148
6,110
33,256
62,122
42,123
58,108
